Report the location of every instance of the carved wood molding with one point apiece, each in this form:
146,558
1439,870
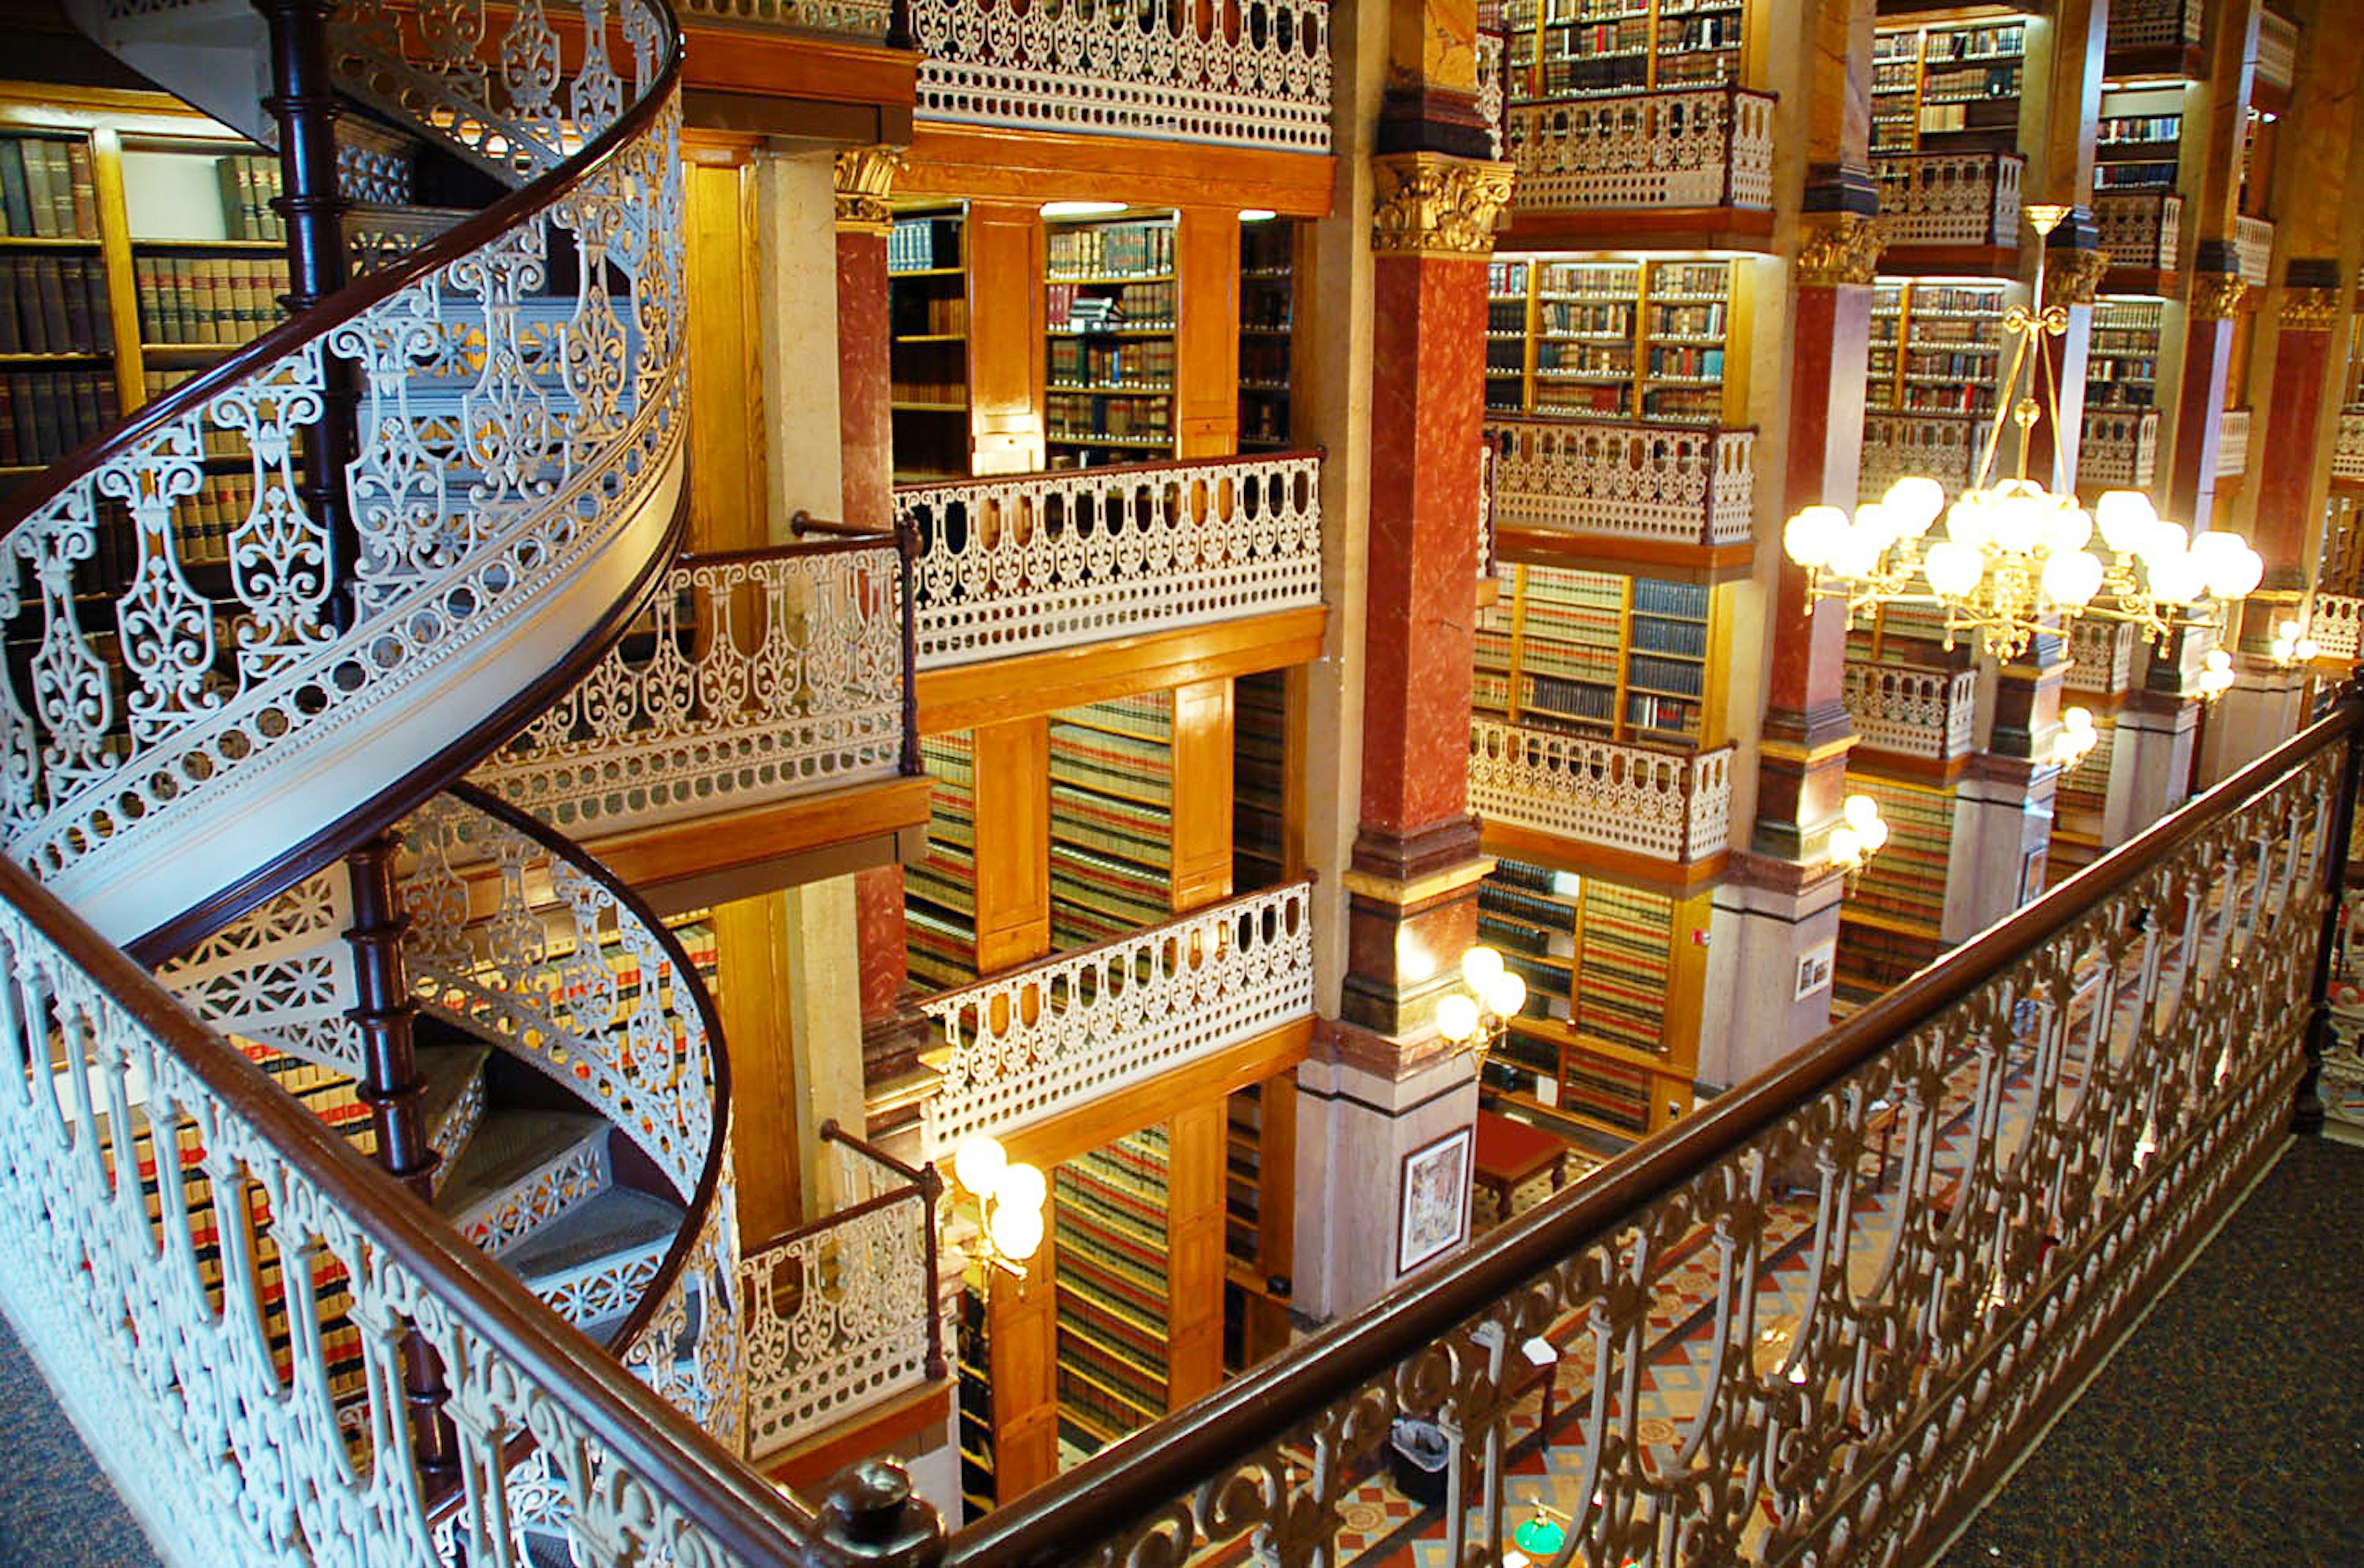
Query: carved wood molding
1431,203
2311,309
865,179
2217,297
1838,248
2074,277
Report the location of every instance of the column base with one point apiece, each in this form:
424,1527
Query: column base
1772,955
2002,831
2150,763
1364,1105
2267,705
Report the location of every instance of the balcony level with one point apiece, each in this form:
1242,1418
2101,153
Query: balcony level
2117,449
1689,165
2157,39
1950,212
2347,455
1622,496
806,67
2140,230
1919,719
1658,812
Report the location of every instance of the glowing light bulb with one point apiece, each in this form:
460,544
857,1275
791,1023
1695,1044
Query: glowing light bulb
1913,503
1508,996
1481,967
1016,1232
1969,522
1810,536
1457,1017
1953,567
978,1162
1861,811
2126,518
2072,579
1021,1186
1846,846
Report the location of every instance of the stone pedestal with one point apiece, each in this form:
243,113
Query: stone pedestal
2150,763
2265,707
1772,952
2003,829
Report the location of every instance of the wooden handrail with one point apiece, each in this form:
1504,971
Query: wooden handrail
1110,470
1129,1480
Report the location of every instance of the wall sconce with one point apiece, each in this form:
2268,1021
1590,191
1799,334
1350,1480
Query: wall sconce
1474,1018
2075,739
2215,675
1010,1201
2292,645
1857,840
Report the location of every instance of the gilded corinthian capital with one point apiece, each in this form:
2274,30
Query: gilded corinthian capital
1433,203
865,178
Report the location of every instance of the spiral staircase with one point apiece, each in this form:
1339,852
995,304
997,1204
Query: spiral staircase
469,469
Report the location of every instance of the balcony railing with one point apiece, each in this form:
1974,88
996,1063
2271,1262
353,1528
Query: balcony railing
2347,450
1241,72
2232,443
1491,85
1031,1042
1942,446
2335,624
1912,712
2277,51
2138,24
1041,561
2100,656
754,677
1668,803
840,1313
2075,1099
2118,449
1675,147
848,18
1626,481
1956,198
2139,228
2253,242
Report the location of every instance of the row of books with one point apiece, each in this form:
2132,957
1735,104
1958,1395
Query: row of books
938,392
215,443
1263,363
1953,366
1939,332
1688,363
1982,301
1968,399
1974,43
1147,363
207,299
1559,318
1663,715
1568,699
1722,31
1907,879
1595,39
2121,130
1577,398
1673,677
47,189
249,183
48,414
1136,305
1657,596
2158,176
923,244
1967,83
940,905
1689,280
54,305
1659,634
1111,250
914,314
1579,280
1685,405
1565,78
203,523
1579,358
1146,420
1687,321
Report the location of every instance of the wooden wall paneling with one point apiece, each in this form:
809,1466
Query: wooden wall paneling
750,958
727,508
1686,1004
1022,1339
1005,336
1202,793
1293,802
1013,843
1206,332
1197,1138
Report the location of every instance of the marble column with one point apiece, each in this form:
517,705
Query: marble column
2002,803
2060,113
865,177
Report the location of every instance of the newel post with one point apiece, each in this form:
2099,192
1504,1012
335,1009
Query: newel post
2306,1116
871,1519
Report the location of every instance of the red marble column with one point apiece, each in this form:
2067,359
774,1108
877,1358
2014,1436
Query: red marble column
2199,402
2311,308
865,418
1413,889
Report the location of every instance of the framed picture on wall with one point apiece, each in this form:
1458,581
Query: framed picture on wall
1434,1210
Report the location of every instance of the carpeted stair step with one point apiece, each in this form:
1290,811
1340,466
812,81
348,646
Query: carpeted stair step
521,1170
593,1263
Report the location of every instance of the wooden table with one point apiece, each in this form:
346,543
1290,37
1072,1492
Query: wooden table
1510,1154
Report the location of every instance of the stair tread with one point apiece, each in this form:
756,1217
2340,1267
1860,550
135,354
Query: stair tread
508,1146
445,1072
619,1219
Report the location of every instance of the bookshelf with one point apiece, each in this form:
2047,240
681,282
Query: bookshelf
927,355
1111,818
1267,315
208,253
1620,658
1259,780
1949,87
1110,312
1110,1210
1597,959
2138,141
1609,339
1936,348
2122,362
971,1340
2079,805
1889,923
1563,49
940,891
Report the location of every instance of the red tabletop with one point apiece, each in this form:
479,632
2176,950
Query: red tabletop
1508,1151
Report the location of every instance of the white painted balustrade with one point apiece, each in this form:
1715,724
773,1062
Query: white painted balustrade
1955,198
1491,85
1646,800
2137,24
2335,623
1041,561
2347,452
2118,448
2232,443
2139,228
2277,51
1626,480
1942,446
2101,655
1240,73
1027,1044
850,19
2253,242
1911,712
751,678
1675,146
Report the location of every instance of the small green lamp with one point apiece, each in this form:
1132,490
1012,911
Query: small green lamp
1541,1537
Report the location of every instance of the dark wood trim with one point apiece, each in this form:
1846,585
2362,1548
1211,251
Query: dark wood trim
1109,470
1127,1482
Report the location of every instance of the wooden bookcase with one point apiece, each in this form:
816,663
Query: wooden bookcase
1949,87
927,357
1260,781
2122,363
1889,921
1110,1211
1109,311
2139,140
1267,319
1562,48
1620,341
1111,818
139,247
940,892
1936,348
1622,658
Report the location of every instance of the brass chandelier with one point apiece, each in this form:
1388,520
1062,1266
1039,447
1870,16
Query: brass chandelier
2014,561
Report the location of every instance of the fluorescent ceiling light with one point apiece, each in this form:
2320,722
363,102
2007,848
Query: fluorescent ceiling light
1257,214
1080,209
